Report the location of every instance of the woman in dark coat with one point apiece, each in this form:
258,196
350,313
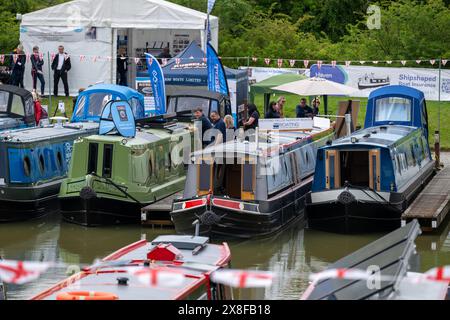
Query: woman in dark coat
273,112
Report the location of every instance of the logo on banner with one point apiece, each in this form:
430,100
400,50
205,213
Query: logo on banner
328,72
118,116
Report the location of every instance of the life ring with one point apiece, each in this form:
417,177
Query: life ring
86,295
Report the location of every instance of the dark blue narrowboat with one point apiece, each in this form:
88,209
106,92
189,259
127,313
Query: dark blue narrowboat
365,181
16,108
34,161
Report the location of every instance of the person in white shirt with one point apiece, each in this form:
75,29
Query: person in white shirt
61,66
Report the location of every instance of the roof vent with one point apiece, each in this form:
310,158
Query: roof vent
164,252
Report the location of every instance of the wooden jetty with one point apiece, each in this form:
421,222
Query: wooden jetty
433,203
158,213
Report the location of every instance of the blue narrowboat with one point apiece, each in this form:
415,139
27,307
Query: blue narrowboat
35,161
365,181
16,108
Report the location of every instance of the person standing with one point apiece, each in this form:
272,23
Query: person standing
274,111
205,123
61,66
219,124
37,62
281,103
18,62
316,107
303,110
122,68
253,120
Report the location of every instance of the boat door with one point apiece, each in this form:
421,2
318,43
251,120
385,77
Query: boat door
248,178
332,169
374,170
205,176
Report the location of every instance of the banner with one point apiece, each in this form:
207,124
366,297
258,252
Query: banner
158,85
365,79
217,80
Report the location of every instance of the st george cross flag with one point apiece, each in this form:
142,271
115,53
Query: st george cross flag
158,277
158,85
20,272
242,278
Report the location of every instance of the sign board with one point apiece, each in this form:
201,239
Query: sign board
286,124
118,116
322,123
144,86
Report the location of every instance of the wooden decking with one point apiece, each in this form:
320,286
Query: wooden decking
433,203
157,214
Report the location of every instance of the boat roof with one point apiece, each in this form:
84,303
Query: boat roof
125,91
381,136
15,90
391,253
195,265
269,142
37,134
397,90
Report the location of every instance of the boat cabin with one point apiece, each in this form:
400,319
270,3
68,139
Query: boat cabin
91,102
16,108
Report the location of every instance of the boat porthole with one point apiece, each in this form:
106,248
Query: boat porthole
27,166
41,164
59,159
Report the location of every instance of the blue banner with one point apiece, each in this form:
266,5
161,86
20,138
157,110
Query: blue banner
158,85
118,116
106,122
217,80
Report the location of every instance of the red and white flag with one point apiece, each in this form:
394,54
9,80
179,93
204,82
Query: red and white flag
158,277
267,61
292,63
389,62
333,63
177,61
2,58
418,61
306,63
439,274
255,59
82,58
432,61
351,274
52,56
362,62
280,63
137,60
19,272
242,278
15,57
348,63
444,62
319,63
41,56
403,62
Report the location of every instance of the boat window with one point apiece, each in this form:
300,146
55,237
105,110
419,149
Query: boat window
59,160
97,101
92,158
4,99
185,104
27,166
215,107
277,176
393,109
41,164
81,105
107,160
17,106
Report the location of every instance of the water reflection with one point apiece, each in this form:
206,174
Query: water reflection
291,255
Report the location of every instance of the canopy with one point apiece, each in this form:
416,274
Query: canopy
138,14
266,87
315,87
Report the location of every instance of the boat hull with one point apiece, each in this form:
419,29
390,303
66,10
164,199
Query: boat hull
99,211
270,218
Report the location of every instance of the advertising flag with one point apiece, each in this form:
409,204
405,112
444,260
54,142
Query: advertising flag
158,84
217,80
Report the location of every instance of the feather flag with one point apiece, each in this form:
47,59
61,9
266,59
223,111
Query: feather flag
243,279
20,272
217,79
158,85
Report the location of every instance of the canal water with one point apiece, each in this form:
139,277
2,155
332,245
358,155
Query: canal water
292,255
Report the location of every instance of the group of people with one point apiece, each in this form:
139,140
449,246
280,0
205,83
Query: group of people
276,109
214,122
61,65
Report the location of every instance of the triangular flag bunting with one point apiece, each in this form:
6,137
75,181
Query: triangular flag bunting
280,63
347,63
82,58
333,63
177,61
306,63
267,61
389,62
418,61
292,63
255,59
403,62
15,57
375,62
52,56
432,61
319,63
362,62
137,60
444,62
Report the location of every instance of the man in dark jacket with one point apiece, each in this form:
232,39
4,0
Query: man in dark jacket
18,61
61,65
206,124
37,61
303,110
219,124
122,68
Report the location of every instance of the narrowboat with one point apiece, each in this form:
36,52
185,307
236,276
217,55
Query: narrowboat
167,268
252,187
16,108
372,82
392,269
34,161
112,178
365,181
